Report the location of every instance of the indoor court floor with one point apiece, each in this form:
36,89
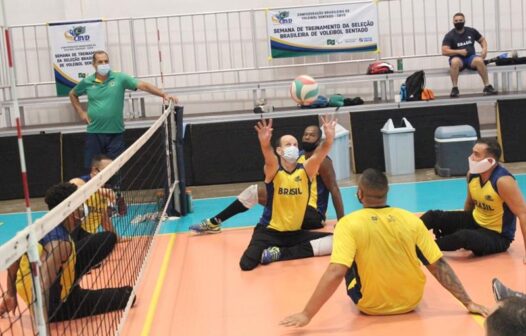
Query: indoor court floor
193,285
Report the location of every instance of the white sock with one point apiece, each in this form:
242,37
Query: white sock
322,246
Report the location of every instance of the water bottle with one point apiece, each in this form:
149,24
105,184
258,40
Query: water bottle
189,201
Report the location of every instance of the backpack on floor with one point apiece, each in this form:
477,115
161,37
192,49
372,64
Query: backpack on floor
415,85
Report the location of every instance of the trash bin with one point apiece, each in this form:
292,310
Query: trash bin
339,153
399,148
453,145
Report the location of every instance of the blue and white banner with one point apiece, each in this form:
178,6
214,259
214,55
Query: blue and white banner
72,47
327,29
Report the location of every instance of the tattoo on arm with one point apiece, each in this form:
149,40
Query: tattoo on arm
449,280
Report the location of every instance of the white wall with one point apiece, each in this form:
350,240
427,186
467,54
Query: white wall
411,27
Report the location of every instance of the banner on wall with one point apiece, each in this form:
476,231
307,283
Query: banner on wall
341,28
72,47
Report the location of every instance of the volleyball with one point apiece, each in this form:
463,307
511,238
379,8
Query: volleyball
304,90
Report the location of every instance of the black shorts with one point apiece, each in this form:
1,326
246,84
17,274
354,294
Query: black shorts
313,219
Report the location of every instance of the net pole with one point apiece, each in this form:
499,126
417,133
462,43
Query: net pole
33,254
170,108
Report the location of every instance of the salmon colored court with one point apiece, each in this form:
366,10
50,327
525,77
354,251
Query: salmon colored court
194,287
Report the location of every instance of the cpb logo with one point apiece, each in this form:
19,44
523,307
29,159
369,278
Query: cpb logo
77,34
281,18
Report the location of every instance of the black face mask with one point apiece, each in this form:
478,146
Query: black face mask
459,25
309,146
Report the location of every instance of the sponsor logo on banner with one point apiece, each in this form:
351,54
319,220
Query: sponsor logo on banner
77,34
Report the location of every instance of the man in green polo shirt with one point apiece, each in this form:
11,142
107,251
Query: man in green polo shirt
105,89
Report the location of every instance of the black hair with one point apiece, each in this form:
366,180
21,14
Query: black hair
375,182
459,14
59,192
493,147
318,129
509,319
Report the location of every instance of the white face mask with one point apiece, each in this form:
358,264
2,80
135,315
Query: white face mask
479,167
291,154
103,69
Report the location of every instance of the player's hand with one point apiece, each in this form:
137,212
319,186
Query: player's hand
484,54
174,99
264,129
84,117
7,304
329,127
475,308
463,52
296,320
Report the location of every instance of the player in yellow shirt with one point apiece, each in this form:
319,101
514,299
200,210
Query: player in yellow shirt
63,263
494,201
379,251
278,235
323,185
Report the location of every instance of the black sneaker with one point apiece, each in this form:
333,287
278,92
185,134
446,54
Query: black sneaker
500,292
454,92
489,90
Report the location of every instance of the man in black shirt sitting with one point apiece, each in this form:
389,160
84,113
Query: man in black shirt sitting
459,45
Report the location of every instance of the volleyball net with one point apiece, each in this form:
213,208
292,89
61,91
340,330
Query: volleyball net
75,270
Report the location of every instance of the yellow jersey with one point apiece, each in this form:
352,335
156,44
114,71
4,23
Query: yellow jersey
384,249
490,211
319,194
287,199
98,207
24,281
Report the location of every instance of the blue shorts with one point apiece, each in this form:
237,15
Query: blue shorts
466,61
111,145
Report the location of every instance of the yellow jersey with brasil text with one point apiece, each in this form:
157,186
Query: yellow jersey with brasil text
287,199
384,249
319,194
97,207
490,211
66,276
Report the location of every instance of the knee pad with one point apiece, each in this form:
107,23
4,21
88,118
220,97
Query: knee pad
249,196
322,246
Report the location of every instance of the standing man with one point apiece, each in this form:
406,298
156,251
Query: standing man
494,201
321,187
459,45
105,89
379,251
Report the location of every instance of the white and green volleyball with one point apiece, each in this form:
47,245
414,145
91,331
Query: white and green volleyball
304,90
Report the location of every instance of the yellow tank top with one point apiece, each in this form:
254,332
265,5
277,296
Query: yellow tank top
490,210
288,196
97,205
24,281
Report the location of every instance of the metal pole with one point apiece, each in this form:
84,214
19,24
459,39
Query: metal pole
132,45
12,79
33,254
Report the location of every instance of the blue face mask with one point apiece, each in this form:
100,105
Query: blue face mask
103,69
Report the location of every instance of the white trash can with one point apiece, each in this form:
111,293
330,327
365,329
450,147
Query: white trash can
339,153
399,148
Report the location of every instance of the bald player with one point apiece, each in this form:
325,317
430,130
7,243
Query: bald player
379,251
315,215
278,235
